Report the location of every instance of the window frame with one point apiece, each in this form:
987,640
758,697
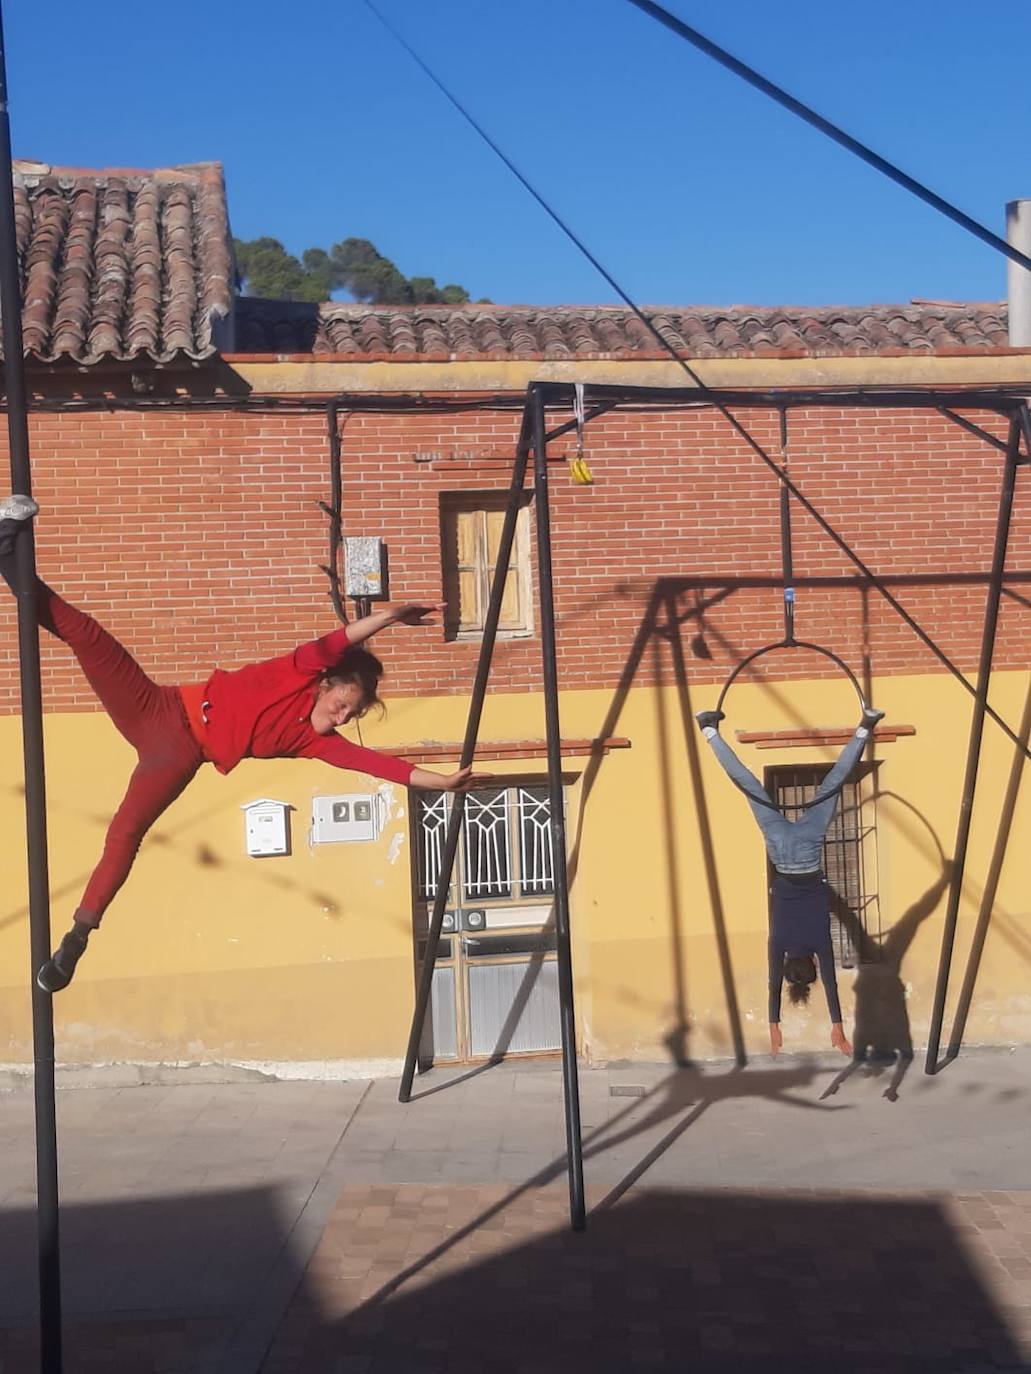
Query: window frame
483,503
857,798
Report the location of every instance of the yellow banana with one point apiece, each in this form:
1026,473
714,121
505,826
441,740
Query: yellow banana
580,471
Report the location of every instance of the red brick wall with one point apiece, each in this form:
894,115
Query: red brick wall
195,536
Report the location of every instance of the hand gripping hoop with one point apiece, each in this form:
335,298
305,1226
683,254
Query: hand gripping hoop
772,648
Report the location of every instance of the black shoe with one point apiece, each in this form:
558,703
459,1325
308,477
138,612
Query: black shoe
59,969
709,720
871,717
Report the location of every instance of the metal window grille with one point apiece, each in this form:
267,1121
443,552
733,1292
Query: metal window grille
537,859
843,849
506,843
433,811
488,845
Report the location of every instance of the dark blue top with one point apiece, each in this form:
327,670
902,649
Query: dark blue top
800,923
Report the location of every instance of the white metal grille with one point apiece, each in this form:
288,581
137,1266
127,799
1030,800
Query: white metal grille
507,843
434,809
488,845
537,858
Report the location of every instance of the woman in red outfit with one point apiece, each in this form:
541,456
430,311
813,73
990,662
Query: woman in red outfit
287,707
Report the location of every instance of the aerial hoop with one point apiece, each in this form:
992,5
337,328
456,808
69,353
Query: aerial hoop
792,644
769,649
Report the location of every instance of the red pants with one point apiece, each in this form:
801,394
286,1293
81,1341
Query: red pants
151,718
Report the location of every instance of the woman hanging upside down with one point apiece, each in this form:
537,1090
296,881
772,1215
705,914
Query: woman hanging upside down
800,925
286,707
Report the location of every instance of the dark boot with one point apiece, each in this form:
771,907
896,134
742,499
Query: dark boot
59,969
709,720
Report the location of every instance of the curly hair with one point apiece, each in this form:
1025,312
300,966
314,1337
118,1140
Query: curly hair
361,667
800,972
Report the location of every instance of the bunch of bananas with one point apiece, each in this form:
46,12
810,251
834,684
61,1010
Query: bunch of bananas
580,472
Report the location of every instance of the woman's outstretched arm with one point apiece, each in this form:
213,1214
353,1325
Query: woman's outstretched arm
825,958
775,957
460,781
319,654
411,613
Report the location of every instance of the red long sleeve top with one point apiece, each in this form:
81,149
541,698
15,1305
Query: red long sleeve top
263,711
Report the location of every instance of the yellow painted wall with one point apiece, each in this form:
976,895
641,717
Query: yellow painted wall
208,955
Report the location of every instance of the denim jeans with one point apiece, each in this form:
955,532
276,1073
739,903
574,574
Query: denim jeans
793,846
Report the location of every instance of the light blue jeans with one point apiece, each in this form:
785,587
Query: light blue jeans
793,846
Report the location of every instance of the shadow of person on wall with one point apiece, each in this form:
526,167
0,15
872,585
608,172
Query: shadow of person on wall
882,1035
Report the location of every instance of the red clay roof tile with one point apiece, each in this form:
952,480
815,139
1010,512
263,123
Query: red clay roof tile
119,263
572,332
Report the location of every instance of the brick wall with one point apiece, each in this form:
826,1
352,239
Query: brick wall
195,536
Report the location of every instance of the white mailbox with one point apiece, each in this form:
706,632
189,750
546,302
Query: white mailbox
354,816
267,827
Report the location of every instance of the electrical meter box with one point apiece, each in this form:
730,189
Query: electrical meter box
363,567
266,827
351,817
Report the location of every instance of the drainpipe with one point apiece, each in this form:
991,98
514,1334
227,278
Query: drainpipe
1018,279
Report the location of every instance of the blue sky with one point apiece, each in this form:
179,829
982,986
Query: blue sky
690,187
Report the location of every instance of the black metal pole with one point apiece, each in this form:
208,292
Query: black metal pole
472,730
333,511
991,887
785,536
984,675
549,665
35,776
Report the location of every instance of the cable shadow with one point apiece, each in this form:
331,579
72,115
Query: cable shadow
699,1092
687,1090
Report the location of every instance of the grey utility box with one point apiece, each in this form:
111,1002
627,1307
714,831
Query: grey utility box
364,571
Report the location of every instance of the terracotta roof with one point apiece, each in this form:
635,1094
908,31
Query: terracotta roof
121,263
571,332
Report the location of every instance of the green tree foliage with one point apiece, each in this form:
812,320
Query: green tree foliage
353,265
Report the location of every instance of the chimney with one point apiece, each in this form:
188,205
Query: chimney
1018,279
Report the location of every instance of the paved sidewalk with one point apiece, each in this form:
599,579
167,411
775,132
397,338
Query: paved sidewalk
738,1220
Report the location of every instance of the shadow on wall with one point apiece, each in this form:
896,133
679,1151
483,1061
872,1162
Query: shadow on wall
1014,937
677,625
175,838
881,1037
661,632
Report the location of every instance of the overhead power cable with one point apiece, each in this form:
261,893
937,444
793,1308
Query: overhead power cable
789,102
689,371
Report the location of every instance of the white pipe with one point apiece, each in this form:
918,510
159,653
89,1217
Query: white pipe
1018,279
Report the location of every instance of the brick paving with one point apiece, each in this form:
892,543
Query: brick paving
738,1221
424,1280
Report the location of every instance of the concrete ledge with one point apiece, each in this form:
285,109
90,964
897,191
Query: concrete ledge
14,1076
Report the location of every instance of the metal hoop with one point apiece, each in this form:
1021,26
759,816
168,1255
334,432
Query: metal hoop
768,649
793,644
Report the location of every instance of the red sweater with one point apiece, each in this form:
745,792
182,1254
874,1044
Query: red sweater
262,712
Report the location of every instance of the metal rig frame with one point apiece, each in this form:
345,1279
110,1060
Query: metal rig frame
534,437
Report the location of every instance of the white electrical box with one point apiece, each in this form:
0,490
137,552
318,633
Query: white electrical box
267,827
351,817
